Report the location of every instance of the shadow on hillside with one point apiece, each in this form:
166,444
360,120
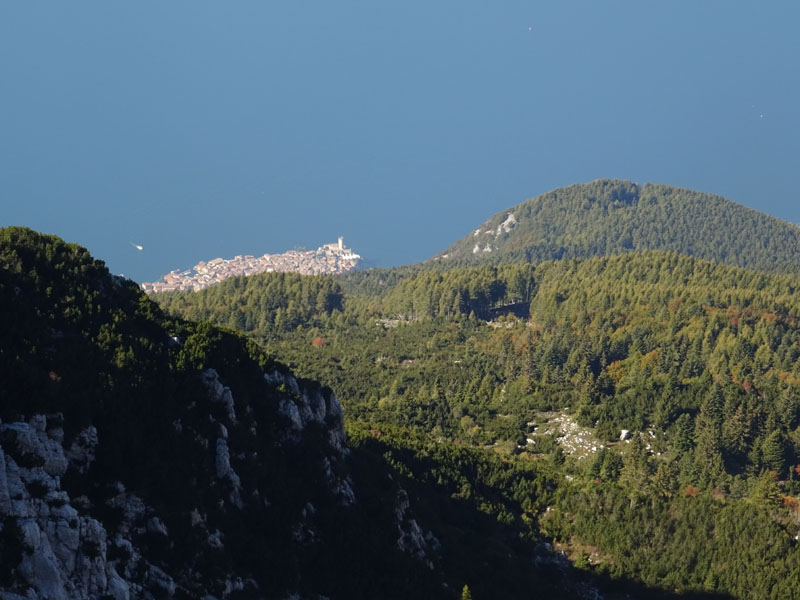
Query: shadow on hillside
495,559
626,589
521,310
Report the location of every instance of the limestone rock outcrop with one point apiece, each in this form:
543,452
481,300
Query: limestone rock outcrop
305,408
61,550
412,539
63,553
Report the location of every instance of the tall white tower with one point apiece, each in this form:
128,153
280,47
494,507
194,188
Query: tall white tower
341,243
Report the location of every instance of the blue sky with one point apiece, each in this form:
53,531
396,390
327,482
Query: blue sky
204,129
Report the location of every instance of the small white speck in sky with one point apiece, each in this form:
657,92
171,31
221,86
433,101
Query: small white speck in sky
137,246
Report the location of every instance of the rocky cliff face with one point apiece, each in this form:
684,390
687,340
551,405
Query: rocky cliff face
55,550
58,546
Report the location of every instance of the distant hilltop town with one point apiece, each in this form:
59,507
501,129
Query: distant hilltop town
327,259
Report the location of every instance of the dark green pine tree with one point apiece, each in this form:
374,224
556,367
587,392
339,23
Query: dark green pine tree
682,434
773,453
636,471
707,438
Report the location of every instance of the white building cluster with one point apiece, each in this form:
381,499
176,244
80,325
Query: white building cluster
328,259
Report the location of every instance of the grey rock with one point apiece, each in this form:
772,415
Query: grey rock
220,394
412,539
117,587
156,526
5,497
81,453
292,384
223,459
158,579
31,440
289,409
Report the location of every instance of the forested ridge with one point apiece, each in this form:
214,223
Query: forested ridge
611,216
698,360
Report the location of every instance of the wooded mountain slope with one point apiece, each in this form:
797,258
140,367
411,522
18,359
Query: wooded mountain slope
143,456
611,216
698,360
